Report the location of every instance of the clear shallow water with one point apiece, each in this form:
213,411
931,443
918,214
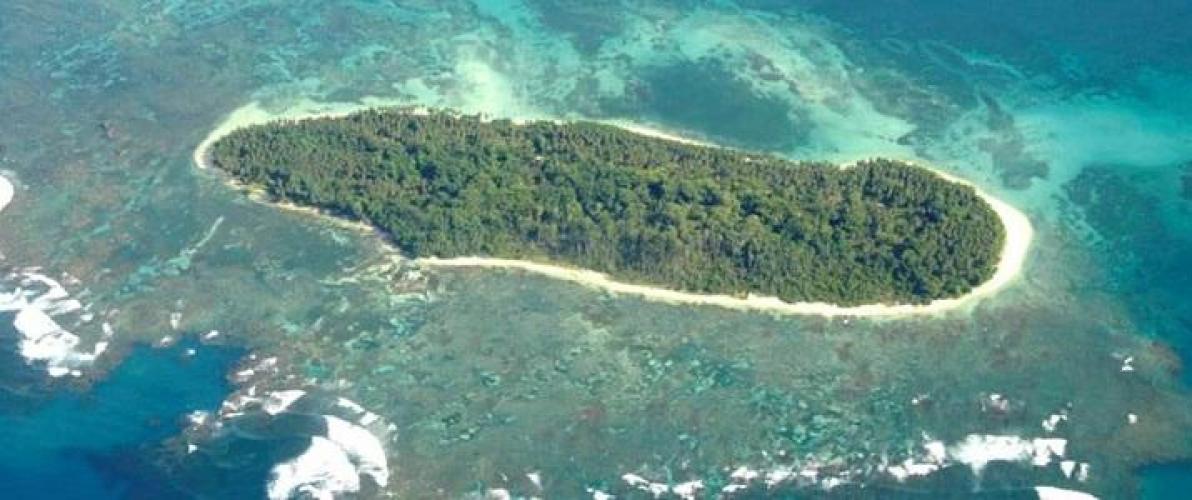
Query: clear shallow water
490,376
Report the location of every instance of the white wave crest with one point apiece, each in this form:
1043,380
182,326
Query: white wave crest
322,471
334,463
361,446
977,450
37,299
6,192
279,401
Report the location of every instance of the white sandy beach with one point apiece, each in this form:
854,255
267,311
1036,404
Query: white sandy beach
649,131
1019,234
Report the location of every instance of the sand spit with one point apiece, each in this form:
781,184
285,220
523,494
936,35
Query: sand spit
1053,493
253,114
650,131
1019,234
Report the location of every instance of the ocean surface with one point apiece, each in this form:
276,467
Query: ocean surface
162,336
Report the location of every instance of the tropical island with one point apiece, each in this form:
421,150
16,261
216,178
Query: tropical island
640,209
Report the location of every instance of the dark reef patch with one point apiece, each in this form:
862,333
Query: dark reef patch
705,96
587,23
1007,149
1186,182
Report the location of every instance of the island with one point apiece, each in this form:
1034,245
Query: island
641,209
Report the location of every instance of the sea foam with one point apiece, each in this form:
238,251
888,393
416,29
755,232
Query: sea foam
322,471
974,451
361,447
6,192
978,450
332,465
340,459
37,299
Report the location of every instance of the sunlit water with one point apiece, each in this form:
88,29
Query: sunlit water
1080,114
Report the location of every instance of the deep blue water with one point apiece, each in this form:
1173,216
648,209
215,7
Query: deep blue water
77,445
1169,481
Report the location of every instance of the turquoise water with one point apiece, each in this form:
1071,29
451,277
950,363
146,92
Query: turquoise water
1167,481
1079,113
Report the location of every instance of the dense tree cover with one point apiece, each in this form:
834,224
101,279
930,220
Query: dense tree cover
695,218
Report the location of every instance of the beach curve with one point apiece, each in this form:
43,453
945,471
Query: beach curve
1018,230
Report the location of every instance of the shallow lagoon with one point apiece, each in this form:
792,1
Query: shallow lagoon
489,376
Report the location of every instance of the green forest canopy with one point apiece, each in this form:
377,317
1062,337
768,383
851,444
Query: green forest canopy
641,209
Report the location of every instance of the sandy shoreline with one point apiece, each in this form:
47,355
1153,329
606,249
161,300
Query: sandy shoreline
648,131
1019,234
